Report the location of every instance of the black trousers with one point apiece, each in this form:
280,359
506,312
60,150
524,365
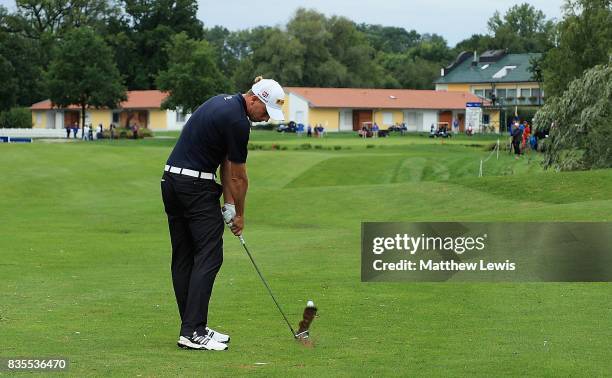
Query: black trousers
196,231
517,147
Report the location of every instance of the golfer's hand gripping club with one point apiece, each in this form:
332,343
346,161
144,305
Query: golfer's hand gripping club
228,211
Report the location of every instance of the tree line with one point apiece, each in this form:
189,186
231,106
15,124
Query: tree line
89,52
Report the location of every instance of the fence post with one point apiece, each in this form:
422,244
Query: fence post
497,148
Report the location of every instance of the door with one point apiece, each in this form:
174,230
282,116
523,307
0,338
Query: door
446,117
359,117
461,118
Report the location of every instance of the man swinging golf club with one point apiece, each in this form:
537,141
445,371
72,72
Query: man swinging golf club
216,135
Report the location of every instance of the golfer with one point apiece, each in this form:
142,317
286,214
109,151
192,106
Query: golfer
215,136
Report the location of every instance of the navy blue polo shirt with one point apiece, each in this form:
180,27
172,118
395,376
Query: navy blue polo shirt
218,128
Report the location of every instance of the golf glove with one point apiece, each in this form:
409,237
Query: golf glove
229,212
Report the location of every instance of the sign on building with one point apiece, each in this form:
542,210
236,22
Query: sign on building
473,116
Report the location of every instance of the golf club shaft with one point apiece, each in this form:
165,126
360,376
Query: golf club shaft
266,284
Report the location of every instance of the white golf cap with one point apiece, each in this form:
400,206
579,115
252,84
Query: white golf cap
272,94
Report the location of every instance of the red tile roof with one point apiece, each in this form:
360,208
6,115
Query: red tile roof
150,99
383,98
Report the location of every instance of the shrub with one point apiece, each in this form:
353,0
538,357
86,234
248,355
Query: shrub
337,147
263,126
16,118
145,133
123,133
305,146
370,146
318,147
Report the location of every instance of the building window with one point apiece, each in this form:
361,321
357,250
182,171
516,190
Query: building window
487,93
387,118
116,118
525,92
38,119
486,118
180,117
511,93
479,92
535,92
501,93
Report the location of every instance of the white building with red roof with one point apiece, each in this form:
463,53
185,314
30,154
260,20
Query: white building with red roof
142,108
347,109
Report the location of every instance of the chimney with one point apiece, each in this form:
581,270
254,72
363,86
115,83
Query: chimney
475,60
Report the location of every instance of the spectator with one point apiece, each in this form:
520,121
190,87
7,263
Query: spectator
99,134
75,129
533,142
517,136
526,135
112,131
320,131
300,129
85,135
67,132
470,130
375,129
455,125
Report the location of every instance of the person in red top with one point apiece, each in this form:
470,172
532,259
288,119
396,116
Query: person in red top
526,135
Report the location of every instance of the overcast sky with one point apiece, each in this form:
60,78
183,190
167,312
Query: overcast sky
454,20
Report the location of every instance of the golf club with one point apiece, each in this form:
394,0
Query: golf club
241,238
309,311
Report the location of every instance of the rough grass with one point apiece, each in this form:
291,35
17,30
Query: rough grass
84,263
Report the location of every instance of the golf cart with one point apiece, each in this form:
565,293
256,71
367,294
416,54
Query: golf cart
442,131
291,127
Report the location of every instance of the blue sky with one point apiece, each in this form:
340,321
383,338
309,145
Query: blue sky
454,20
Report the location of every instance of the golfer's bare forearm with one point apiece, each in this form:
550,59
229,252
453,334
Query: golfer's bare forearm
238,186
226,181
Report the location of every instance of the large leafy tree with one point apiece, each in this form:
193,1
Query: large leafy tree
584,40
389,39
39,19
29,35
579,123
192,75
83,72
523,28
8,89
149,27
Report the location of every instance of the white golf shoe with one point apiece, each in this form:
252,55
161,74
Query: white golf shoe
217,336
200,342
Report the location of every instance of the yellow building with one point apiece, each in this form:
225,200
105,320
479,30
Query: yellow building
142,109
347,109
503,79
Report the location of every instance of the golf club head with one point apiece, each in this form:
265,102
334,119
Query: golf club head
302,335
309,314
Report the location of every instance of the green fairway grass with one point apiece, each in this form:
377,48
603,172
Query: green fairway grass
85,262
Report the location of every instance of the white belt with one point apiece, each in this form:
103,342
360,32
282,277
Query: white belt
189,172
